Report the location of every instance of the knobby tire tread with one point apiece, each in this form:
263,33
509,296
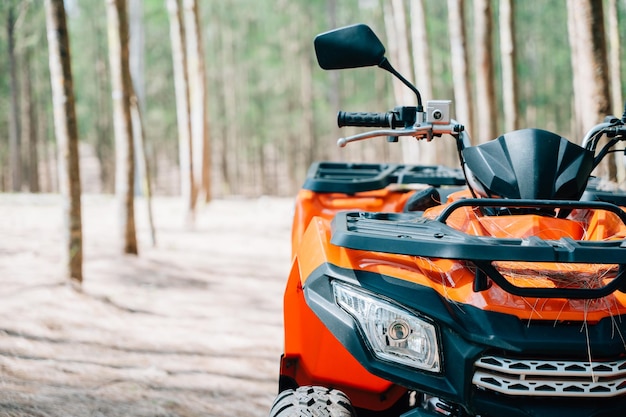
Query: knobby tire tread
312,402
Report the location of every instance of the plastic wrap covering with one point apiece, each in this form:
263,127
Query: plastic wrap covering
579,225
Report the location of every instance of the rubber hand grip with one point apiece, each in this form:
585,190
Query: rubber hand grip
365,119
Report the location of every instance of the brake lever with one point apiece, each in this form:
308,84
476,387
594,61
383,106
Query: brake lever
424,131
342,142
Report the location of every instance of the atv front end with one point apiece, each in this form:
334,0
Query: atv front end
439,312
410,335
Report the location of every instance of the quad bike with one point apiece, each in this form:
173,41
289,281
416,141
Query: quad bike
494,289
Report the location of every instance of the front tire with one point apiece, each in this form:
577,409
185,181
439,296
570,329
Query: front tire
312,402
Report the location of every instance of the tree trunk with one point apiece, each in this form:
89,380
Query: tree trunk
49,177
616,81
509,77
124,152
15,152
136,62
143,166
399,55
614,55
421,49
177,35
104,141
436,152
223,180
29,124
201,152
485,90
334,91
307,101
137,51
293,144
590,58
229,149
577,103
66,131
459,64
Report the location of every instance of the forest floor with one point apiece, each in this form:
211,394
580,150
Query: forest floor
190,327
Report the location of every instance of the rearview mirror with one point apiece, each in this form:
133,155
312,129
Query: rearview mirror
349,47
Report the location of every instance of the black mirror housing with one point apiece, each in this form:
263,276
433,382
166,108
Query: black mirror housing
349,47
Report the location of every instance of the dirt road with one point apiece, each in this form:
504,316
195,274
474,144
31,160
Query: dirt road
191,327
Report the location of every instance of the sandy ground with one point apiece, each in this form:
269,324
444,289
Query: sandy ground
191,327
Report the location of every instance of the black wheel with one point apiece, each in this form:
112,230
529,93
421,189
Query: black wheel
312,402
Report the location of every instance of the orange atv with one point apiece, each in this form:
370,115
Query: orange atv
494,289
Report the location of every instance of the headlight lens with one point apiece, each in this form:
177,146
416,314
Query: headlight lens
394,334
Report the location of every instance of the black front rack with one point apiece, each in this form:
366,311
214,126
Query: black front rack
349,178
411,234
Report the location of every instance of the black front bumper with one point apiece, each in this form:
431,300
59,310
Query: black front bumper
467,333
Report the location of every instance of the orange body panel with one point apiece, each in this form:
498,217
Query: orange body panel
326,205
313,356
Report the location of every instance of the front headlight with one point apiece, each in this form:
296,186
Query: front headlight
393,333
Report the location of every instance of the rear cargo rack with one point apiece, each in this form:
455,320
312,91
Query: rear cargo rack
411,234
340,177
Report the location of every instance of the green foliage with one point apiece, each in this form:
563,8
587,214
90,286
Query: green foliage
543,65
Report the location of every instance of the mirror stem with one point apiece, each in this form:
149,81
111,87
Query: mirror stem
384,64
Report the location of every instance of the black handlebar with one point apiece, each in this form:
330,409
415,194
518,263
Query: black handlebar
368,119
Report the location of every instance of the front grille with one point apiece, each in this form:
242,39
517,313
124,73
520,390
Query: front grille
524,377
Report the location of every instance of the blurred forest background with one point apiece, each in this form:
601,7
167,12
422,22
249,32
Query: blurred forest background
271,110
